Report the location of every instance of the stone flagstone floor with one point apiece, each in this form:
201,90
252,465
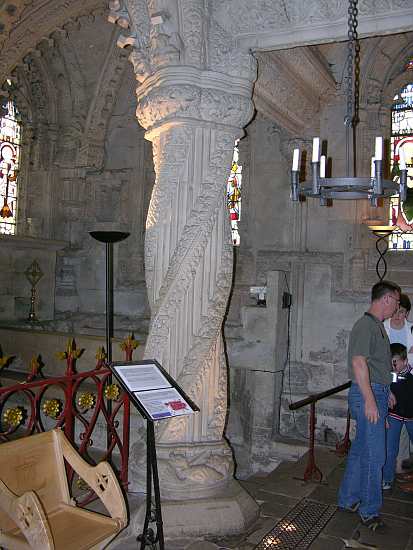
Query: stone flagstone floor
280,491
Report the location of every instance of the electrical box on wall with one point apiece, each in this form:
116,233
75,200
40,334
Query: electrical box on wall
287,300
260,292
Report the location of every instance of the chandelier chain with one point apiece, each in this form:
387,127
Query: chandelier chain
353,66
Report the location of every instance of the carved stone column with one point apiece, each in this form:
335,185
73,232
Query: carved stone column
194,98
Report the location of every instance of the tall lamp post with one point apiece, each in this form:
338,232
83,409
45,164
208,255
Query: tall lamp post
382,232
109,237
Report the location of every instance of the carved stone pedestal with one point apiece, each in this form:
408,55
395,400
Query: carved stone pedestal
199,495
230,511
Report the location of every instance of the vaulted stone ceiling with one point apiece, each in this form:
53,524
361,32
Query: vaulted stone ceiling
26,23
290,84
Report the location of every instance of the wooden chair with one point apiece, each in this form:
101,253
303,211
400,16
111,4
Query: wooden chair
36,510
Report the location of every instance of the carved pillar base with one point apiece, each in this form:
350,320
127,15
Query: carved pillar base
199,495
190,471
229,512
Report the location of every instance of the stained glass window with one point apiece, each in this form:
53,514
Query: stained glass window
401,214
234,195
9,167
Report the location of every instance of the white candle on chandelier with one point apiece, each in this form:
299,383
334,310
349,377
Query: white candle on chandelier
322,166
316,148
296,158
402,159
378,153
373,167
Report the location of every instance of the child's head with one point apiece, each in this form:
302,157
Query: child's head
402,313
398,357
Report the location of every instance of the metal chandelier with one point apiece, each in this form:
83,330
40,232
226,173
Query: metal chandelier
348,187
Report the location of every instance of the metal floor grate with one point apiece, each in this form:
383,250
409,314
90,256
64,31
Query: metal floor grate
297,529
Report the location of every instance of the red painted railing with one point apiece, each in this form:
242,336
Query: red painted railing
86,405
312,472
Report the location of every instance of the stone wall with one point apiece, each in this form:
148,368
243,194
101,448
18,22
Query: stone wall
86,166
324,256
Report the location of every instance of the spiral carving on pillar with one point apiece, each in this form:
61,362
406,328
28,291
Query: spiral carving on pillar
188,261
188,288
193,116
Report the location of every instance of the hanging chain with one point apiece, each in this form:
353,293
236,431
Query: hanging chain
353,87
353,67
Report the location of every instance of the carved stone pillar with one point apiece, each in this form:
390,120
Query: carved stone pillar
194,98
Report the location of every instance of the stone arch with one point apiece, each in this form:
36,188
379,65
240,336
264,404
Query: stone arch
393,86
100,109
38,91
384,75
34,23
33,92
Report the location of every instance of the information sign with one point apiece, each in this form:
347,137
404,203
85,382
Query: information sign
154,392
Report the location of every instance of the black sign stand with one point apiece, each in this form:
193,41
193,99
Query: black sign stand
153,514
153,511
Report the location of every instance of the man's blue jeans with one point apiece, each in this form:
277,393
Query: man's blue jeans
393,440
362,481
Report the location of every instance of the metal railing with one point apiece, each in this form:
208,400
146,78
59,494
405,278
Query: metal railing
93,412
312,472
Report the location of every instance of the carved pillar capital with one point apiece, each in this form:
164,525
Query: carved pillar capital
189,95
182,57
189,69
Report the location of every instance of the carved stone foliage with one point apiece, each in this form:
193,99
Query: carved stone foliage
169,102
173,34
166,41
134,15
193,32
258,16
183,34
191,101
225,55
195,471
154,34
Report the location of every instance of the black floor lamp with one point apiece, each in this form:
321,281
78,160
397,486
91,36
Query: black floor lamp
109,237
